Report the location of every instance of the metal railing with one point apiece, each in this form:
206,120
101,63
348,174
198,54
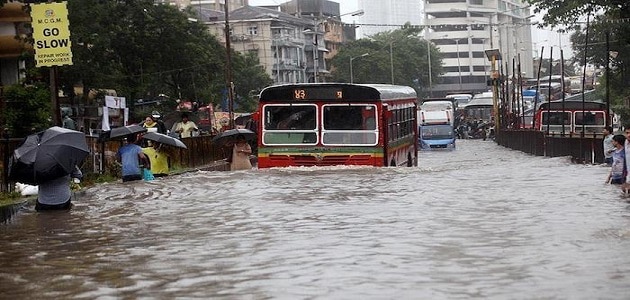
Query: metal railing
201,151
581,149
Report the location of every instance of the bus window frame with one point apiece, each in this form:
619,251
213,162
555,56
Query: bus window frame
375,131
266,131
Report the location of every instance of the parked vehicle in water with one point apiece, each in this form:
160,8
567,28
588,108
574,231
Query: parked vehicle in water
461,100
571,117
436,130
440,104
481,108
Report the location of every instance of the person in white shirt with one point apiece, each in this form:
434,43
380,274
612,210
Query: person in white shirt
186,127
609,148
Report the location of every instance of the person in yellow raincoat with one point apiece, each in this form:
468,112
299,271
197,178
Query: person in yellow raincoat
159,159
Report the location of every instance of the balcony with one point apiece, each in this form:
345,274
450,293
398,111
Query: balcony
11,47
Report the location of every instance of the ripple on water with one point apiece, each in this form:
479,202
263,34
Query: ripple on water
478,222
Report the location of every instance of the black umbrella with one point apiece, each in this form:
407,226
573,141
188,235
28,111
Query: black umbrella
164,139
126,130
48,155
230,135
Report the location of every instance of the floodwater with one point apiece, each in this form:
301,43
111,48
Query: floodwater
480,222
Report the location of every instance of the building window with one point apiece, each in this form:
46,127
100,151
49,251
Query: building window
450,69
252,30
254,53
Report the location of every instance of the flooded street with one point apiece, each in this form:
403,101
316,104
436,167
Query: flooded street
481,222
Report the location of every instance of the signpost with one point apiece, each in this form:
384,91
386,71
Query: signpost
51,35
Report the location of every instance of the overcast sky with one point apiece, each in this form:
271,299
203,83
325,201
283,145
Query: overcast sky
345,6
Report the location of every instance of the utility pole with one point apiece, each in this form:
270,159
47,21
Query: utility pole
229,84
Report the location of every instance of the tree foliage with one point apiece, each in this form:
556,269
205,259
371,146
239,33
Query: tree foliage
571,12
143,49
27,109
605,18
408,60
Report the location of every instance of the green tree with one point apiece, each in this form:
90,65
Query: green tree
606,18
408,60
143,49
251,79
27,109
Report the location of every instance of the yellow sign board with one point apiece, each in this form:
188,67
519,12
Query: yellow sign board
51,34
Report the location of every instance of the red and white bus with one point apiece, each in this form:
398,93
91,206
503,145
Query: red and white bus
324,124
571,117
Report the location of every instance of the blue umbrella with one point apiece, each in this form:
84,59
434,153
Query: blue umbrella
48,155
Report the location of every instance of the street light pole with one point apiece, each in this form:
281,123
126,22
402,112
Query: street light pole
459,66
228,67
351,59
391,60
429,59
316,55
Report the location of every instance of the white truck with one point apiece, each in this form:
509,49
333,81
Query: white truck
433,105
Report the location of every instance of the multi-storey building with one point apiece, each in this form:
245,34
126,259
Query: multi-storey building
278,39
464,29
326,14
293,41
209,4
13,29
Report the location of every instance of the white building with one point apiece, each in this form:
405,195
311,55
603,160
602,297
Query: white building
210,4
384,15
464,29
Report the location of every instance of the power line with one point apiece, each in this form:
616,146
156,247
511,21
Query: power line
607,21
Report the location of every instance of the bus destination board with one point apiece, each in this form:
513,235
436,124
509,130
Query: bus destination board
305,93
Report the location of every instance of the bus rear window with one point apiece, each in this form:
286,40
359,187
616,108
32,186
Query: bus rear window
349,125
589,118
555,118
344,117
290,117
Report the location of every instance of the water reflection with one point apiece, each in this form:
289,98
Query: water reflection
478,222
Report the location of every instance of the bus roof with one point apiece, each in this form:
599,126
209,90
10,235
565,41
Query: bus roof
591,95
481,101
336,91
450,100
571,105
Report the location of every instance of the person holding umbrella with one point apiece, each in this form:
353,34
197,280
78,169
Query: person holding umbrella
160,160
240,154
130,156
48,159
55,194
153,124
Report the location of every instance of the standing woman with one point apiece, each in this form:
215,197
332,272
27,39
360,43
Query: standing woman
160,160
240,154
